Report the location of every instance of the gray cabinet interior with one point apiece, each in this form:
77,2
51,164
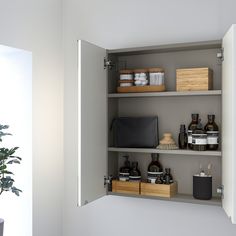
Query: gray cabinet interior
171,111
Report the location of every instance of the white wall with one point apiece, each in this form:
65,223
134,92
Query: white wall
36,26
116,24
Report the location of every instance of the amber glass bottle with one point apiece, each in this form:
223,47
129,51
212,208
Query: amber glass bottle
192,126
167,178
135,174
199,138
183,138
154,168
212,132
125,170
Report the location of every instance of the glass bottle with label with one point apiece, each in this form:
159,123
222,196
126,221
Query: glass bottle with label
135,174
125,170
199,138
183,138
212,132
154,169
167,178
192,126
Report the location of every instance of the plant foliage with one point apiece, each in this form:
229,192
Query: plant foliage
7,157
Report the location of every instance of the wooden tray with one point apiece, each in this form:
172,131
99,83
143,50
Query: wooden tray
141,89
159,190
125,187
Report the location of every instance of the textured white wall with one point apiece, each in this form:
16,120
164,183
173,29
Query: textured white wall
36,26
129,23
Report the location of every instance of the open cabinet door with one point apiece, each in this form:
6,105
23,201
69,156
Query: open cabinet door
92,118
229,123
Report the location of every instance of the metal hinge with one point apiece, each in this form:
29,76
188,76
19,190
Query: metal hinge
108,64
107,180
220,54
220,191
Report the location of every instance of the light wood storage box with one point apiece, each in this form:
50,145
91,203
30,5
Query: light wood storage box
194,79
159,190
126,187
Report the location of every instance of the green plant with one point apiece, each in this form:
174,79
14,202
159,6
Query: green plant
7,158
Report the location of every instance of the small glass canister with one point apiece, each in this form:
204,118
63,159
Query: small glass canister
156,76
126,78
141,77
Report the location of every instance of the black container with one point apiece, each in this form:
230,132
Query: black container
202,187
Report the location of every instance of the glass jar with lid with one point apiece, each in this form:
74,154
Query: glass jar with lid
126,78
156,76
141,77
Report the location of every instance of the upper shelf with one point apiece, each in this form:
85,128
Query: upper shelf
165,94
175,152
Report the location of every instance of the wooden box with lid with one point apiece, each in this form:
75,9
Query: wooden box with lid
194,79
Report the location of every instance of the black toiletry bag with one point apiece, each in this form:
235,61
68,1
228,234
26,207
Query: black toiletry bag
136,132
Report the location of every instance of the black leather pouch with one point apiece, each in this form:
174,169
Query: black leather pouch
136,132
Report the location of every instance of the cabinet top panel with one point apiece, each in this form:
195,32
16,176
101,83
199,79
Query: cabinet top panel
167,48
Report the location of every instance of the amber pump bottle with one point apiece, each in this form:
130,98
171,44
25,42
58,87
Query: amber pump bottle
155,169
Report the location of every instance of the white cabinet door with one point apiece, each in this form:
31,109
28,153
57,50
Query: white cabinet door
229,123
92,118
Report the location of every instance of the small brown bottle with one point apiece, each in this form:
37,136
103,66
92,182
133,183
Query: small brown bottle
167,178
183,138
212,132
192,126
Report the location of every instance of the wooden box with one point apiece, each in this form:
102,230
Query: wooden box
125,187
194,79
159,190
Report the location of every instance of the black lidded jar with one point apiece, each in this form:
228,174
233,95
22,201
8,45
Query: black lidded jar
192,126
155,169
199,138
125,170
135,174
183,138
202,187
212,131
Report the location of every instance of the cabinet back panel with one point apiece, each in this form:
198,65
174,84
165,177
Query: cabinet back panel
172,60
172,111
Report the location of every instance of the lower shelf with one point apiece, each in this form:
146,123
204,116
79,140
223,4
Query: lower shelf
177,198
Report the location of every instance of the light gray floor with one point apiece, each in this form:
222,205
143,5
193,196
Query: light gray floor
116,216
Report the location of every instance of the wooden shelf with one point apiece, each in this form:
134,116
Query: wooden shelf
166,94
177,198
175,152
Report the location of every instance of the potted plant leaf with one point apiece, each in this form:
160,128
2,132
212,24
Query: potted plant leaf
7,157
